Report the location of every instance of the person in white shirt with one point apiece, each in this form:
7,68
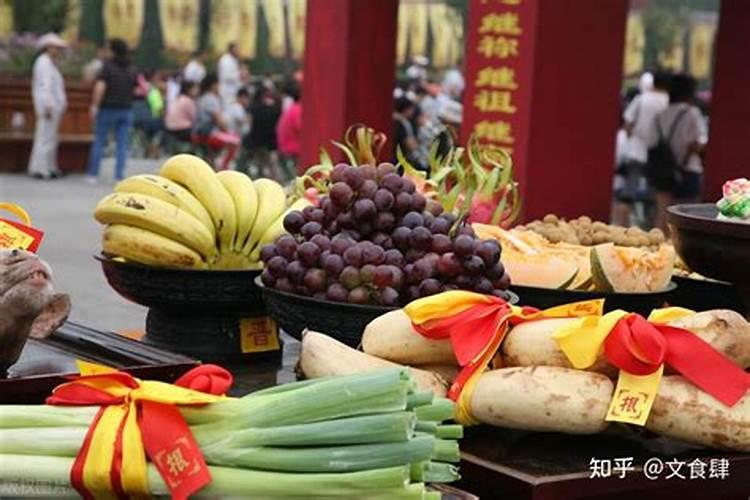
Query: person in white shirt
195,71
48,94
638,119
684,127
228,71
92,68
237,116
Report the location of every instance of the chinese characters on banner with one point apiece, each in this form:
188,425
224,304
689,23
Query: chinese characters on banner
499,52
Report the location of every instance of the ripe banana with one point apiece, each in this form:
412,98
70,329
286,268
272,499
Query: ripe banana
276,229
153,214
148,248
242,190
271,204
171,192
198,177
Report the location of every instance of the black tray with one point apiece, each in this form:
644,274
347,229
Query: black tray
342,321
641,303
184,290
704,295
46,363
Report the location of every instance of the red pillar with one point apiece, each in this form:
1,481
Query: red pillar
349,70
566,103
728,156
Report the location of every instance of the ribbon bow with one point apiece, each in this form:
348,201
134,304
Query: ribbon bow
641,347
139,418
476,325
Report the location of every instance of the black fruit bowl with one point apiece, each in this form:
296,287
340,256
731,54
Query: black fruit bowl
344,322
706,294
186,291
641,303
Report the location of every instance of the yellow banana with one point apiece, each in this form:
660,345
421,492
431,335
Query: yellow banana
153,214
242,190
171,192
276,229
271,204
200,179
145,247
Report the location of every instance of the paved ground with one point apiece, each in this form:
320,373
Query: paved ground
63,208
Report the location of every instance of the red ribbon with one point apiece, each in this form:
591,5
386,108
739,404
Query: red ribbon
640,347
159,423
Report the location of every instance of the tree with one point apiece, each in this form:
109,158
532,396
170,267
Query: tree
149,52
92,22
39,16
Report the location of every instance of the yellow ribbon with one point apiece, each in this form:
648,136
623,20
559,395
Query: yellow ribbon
16,210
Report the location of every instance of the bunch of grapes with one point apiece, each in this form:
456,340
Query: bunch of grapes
376,240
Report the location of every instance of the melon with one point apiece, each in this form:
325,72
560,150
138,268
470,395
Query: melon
540,270
631,270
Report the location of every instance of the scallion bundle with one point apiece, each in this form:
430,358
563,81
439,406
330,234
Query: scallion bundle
370,435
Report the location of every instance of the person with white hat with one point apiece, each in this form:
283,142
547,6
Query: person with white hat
48,94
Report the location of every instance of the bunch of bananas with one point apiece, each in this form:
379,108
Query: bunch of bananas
192,217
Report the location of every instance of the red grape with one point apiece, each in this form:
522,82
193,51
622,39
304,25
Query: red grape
367,273
284,285
267,278
341,194
368,171
489,252
353,176
315,280
337,292
384,199
449,265
483,285
277,266
434,207
388,297
295,271
394,257
430,286
333,264
385,221
345,220
373,255
463,246
421,238
382,240
323,242
308,253
409,274
384,169
286,246
412,293
349,277
439,225
293,221
441,243
495,272
401,237
412,220
383,276
423,269
337,174
340,243
364,210
413,255
268,252
474,265
418,202
466,229
353,256
398,278
393,183
464,282
310,229
330,210
408,185
359,295
503,283
368,189
402,203
316,214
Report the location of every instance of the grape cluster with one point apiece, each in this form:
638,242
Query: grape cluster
375,240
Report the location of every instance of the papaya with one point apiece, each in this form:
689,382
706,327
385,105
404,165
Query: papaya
631,269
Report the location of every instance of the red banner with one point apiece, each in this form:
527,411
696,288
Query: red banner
498,67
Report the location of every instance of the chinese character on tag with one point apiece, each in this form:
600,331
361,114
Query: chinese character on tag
502,77
259,335
500,24
494,101
178,466
494,131
498,46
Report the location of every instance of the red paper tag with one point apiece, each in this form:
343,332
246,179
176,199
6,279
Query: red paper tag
171,447
17,235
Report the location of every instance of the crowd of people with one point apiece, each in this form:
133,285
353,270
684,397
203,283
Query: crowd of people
251,125
425,112
659,153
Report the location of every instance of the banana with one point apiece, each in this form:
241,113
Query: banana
200,179
271,204
276,229
153,214
242,190
145,247
171,192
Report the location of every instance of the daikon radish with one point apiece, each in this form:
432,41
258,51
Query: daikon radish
726,331
322,356
543,398
448,372
531,344
392,337
683,411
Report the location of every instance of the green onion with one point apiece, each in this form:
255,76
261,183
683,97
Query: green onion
440,409
449,431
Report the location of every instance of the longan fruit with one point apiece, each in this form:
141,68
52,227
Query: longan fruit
550,219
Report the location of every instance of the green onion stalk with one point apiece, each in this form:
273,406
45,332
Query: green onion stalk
370,435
